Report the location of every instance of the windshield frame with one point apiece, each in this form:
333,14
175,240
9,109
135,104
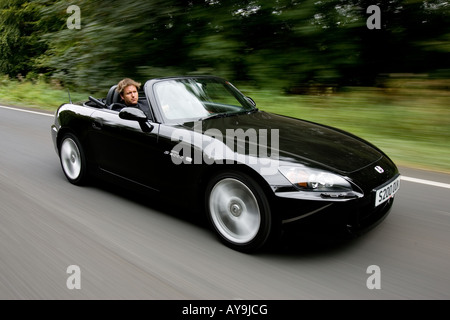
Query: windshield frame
153,90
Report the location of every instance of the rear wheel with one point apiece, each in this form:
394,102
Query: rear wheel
73,160
239,212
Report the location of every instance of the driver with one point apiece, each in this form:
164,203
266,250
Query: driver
128,90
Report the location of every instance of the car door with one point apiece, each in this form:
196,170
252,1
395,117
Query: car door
120,147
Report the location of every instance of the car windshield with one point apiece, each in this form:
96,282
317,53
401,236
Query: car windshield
199,99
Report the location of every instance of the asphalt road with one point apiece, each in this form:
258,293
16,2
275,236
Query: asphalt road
130,249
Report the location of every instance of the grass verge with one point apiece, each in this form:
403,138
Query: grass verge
39,95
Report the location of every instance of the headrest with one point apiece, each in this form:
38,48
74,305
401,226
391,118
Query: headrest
113,96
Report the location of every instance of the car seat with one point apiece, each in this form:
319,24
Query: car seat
112,97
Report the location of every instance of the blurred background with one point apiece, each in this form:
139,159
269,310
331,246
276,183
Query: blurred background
312,59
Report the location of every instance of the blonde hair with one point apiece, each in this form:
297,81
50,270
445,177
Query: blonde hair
125,83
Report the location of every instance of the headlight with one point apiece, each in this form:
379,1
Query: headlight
315,180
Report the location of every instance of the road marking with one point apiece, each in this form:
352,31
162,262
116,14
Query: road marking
427,182
410,179
28,111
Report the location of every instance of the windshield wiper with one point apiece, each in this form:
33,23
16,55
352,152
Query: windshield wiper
215,116
227,114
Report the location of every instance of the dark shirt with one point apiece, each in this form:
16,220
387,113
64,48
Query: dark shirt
142,104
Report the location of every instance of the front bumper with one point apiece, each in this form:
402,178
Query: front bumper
356,214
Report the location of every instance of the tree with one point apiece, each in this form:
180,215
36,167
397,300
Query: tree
114,41
281,43
19,37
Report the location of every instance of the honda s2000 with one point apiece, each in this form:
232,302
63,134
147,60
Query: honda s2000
204,144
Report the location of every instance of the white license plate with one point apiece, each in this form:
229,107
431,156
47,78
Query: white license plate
385,193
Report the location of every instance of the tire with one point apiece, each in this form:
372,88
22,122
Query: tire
238,210
73,159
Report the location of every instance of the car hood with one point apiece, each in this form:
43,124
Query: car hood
302,141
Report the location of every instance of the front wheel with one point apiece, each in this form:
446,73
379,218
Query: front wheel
73,160
239,212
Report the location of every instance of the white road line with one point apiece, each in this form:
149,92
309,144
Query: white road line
410,179
28,111
427,182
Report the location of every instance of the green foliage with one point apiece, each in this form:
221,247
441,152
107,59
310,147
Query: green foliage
19,36
114,41
278,43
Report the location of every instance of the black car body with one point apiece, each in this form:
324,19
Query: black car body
205,144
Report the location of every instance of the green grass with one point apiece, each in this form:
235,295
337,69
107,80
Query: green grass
410,123
38,95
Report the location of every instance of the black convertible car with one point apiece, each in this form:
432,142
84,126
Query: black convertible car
206,145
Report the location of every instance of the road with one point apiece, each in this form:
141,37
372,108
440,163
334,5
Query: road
130,249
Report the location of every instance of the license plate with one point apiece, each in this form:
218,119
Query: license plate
385,193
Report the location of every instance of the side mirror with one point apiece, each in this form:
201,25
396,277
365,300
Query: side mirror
138,115
134,114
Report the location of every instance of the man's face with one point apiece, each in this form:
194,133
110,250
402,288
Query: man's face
130,95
